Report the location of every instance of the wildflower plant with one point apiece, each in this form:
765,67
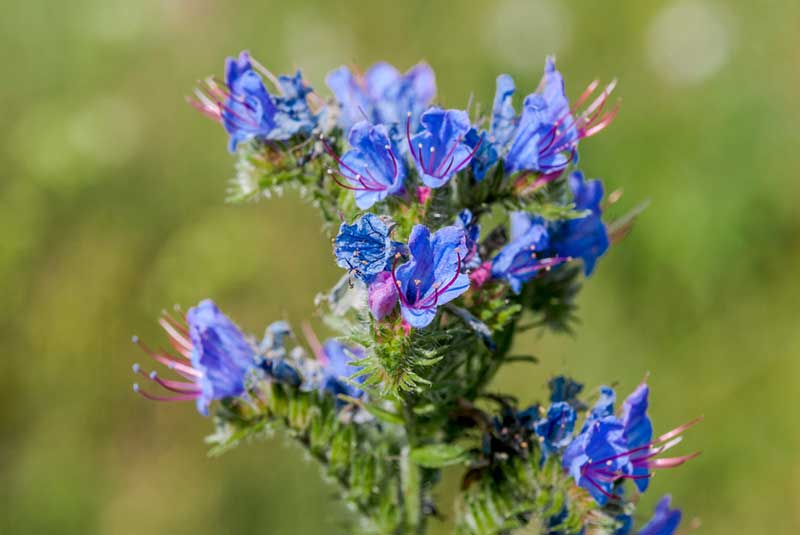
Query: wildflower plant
455,231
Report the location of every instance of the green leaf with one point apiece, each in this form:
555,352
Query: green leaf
438,455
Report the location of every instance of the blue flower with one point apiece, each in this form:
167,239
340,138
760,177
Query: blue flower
249,110
522,257
294,116
216,358
220,352
336,369
584,238
609,449
440,150
433,275
371,168
556,427
596,458
383,95
665,521
364,248
472,231
547,132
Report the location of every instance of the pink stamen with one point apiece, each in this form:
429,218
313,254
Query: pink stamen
186,371
152,397
178,340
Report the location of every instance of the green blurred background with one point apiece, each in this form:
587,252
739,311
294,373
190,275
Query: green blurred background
111,208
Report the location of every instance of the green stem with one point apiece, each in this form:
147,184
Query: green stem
411,477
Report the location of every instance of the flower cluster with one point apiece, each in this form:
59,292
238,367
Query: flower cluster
453,226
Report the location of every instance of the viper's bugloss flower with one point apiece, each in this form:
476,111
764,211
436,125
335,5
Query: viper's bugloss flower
294,115
596,458
335,359
382,94
247,110
364,248
382,295
609,449
439,149
372,169
555,428
216,358
546,134
585,238
524,256
665,521
472,231
432,277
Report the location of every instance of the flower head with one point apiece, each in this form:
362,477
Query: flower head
665,521
294,115
364,248
216,358
383,94
440,149
522,257
609,449
247,110
585,238
597,457
547,132
371,169
432,277
555,428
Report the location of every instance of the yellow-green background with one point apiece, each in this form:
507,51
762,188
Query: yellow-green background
111,207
